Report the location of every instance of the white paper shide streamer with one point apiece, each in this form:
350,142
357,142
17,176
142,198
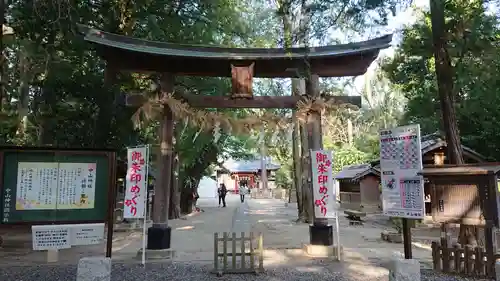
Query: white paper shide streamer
216,132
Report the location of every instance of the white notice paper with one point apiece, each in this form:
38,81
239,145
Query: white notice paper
87,234
50,237
400,163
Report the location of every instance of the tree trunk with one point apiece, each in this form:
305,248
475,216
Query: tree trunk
164,181
296,173
46,130
2,60
307,212
444,75
285,11
23,107
175,196
106,109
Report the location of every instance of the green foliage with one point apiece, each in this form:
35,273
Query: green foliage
474,51
55,79
347,155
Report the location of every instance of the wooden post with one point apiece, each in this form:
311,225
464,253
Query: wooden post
297,183
159,234
436,256
263,165
314,133
233,250
243,251
407,238
252,258
224,250
261,252
162,189
216,252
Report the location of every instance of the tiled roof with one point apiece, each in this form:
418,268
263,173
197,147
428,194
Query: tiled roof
435,140
235,166
350,172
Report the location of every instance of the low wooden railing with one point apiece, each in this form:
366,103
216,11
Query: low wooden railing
232,259
465,261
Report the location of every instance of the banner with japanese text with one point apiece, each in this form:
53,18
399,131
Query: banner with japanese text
136,183
322,183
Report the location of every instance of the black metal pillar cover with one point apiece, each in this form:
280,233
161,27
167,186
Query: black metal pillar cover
159,237
321,235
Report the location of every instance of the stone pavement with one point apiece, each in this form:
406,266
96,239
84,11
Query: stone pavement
192,237
362,244
365,255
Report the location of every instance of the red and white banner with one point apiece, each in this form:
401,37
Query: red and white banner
322,182
136,183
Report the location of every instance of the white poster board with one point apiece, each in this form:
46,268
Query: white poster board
400,163
64,236
322,183
37,185
53,185
50,237
136,183
76,189
87,234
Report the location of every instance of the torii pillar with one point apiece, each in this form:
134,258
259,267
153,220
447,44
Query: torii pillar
159,234
320,233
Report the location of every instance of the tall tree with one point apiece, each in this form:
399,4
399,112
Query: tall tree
444,75
469,56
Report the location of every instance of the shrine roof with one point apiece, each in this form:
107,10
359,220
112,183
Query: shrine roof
128,53
356,172
250,166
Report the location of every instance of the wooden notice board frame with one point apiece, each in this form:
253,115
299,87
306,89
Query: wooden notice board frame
105,179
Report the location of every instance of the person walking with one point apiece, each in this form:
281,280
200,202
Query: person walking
243,192
196,196
222,191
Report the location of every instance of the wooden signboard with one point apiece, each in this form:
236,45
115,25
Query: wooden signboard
51,186
456,203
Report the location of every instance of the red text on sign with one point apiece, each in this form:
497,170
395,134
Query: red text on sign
135,177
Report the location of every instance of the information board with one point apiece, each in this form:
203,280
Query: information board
49,185
65,236
87,234
50,237
54,186
400,162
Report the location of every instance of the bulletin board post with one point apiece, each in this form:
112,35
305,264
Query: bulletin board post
407,238
111,204
402,187
92,204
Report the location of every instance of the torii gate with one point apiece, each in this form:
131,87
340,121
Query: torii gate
124,53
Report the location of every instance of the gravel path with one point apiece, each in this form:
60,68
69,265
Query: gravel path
184,272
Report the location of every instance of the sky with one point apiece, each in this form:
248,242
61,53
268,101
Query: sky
395,25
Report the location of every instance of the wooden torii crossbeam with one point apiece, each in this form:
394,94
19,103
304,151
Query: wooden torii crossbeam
124,53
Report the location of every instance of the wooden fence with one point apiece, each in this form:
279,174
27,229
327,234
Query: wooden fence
467,261
227,262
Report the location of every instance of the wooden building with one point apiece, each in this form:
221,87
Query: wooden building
234,172
358,186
